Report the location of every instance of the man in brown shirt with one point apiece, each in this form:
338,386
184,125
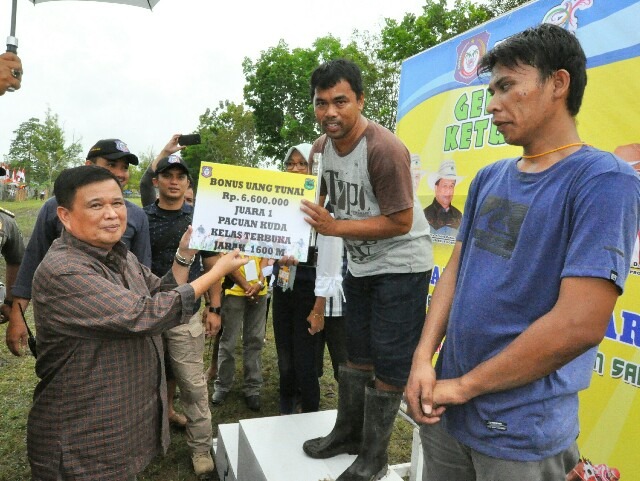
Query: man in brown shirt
366,179
99,410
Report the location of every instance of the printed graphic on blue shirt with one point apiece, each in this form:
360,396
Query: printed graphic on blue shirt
500,221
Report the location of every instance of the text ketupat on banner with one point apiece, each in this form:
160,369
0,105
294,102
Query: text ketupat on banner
442,119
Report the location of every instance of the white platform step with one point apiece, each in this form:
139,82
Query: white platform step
270,449
226,451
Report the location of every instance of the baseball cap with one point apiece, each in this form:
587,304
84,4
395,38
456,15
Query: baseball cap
170,161
112,149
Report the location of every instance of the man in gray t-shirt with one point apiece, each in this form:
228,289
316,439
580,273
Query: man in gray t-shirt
366,178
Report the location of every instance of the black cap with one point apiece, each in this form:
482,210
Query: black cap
112,149
171,161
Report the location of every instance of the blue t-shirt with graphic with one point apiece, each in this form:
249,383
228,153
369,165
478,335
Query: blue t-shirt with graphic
521,234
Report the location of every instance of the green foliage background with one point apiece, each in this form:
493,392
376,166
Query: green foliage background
277,111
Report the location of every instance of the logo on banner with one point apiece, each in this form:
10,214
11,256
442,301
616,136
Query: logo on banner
564,14
206,172
470,51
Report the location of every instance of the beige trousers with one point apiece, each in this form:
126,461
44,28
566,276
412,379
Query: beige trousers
185,346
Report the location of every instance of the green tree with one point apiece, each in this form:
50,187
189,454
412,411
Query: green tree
277,91
381,79
136,171
40,148
498,7
23,146
438,22
228,137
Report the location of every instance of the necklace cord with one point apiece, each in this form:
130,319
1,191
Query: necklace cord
554,150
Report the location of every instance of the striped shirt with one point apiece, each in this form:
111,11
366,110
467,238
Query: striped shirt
99,410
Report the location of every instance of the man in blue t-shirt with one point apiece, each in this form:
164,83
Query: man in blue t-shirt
541,257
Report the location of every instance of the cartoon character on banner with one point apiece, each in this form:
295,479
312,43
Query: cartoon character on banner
585,471
564,15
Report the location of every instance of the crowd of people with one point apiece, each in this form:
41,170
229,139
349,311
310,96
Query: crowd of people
116,291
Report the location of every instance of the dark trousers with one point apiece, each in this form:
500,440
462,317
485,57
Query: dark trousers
296,348
334,335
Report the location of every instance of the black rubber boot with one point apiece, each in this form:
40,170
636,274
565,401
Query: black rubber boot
381,408
347,432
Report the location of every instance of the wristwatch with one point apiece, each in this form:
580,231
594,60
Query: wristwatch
215,310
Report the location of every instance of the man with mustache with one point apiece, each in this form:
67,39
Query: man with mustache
542,255
367,181
99,409
113,155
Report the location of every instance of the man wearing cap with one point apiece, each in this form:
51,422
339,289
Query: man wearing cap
148,191
169,217
113,155
12,248
443,218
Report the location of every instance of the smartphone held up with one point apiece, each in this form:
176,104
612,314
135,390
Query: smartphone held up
189,139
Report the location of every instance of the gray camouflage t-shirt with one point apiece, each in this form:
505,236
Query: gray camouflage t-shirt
375,179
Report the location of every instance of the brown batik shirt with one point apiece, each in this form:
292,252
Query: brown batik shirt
99,410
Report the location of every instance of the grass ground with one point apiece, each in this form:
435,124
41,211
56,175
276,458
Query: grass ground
18,379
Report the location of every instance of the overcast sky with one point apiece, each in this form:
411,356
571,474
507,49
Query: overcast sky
119,71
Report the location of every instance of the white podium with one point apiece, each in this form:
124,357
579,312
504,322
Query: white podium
270,449
226,452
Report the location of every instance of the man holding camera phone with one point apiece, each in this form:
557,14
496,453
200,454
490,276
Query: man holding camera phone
148,192
168,216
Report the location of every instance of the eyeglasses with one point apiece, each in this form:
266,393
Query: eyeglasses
296,165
